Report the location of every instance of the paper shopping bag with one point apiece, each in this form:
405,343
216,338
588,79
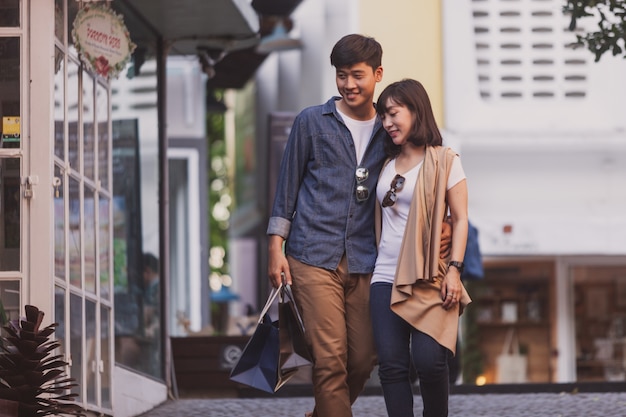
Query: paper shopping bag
258,366
511,364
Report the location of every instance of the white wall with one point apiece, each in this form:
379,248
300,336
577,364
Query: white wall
558,198
185,98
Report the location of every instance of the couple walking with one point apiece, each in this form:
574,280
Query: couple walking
358,228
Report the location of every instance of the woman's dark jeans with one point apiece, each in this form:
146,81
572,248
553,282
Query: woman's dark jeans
401,346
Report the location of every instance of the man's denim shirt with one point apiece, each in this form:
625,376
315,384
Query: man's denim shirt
315,206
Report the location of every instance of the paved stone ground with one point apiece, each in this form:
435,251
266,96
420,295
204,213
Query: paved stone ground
611,404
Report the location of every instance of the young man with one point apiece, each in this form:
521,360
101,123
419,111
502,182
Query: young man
324,209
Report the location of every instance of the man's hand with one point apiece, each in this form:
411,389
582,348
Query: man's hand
446,238
278,267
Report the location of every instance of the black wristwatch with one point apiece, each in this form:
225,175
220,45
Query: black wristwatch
458,265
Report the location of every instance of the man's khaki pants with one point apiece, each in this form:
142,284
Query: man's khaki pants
335,310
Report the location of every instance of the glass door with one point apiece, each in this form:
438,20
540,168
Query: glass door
82,192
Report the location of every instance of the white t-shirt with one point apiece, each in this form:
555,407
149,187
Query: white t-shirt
361,131
394,217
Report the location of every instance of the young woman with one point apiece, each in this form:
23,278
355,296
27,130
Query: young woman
416,296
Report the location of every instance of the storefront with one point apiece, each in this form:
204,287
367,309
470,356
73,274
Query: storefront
547,320
84,183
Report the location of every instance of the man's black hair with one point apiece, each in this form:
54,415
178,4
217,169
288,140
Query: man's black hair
352,49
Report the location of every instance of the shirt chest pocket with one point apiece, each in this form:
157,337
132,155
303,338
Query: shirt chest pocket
329,150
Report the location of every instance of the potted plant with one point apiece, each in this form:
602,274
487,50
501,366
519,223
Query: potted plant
33,380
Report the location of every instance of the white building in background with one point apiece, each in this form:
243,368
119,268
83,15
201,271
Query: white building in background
541,126
541,130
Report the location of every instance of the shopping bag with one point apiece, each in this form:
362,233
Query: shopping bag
294,351
511,364
258,366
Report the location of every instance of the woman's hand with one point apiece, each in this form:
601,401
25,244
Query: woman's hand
451,288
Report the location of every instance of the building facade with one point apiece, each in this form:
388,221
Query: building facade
543,144
86,230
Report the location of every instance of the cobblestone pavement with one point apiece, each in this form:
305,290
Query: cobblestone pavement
467,405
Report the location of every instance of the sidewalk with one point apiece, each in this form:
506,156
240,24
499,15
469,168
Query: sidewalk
589,404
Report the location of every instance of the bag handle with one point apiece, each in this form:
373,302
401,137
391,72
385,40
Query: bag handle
286,291
510,341
269,302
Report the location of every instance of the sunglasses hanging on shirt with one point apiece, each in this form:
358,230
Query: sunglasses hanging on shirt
362,192
396,185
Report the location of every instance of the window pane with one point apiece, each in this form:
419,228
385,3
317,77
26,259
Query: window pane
10,128
105,356
10,298
105,248
91,343
59,224
90,240
102,115
600,311
126,243
152,314
74,232
59,106
73,113
10,214
72,10
59,317
76,346
59,23
9,13
88,126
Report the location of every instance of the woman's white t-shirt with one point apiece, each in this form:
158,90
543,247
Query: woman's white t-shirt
394,217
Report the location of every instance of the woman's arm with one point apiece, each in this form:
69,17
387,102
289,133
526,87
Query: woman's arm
457,201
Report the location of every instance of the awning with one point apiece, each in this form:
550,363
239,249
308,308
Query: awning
191,26
186,25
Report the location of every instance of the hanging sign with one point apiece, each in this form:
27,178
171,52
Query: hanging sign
102,40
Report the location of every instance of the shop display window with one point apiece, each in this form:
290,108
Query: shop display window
600,317
511,314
